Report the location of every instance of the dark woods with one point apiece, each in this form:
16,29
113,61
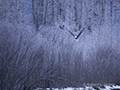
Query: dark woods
36,49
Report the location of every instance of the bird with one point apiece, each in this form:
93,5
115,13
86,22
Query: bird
76,37
61,27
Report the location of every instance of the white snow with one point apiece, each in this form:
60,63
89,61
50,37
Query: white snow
85,88
116,86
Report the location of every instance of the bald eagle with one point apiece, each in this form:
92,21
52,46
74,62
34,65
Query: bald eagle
76,37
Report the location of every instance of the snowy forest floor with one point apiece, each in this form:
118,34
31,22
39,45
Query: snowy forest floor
113,87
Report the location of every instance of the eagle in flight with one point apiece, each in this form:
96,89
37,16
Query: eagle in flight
76,37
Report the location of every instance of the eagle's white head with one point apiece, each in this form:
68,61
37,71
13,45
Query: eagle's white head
76,38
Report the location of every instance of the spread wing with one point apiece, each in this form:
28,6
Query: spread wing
80,33
71,32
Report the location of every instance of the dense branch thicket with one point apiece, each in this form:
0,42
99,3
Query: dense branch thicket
36,50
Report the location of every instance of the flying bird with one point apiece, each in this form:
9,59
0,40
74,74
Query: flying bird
76,37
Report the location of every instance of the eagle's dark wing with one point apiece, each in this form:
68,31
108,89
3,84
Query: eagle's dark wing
71,32
80,33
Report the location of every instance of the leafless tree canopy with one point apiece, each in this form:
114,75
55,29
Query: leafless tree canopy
36,49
